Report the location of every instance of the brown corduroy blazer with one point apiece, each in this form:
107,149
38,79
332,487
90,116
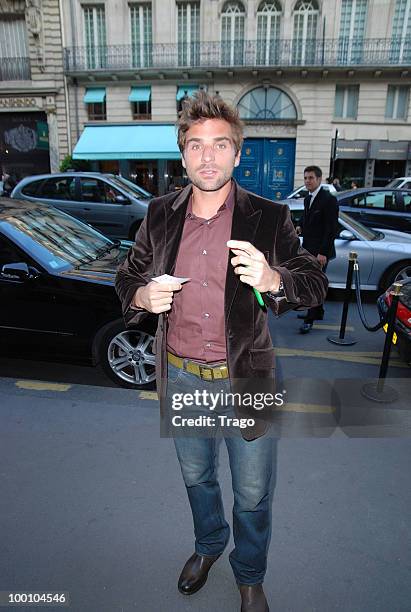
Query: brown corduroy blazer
268,226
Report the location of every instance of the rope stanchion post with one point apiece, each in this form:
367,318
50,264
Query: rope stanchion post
342,339
380,391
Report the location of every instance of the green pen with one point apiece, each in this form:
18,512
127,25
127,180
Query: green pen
258,296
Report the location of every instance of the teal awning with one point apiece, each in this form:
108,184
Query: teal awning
95,94
127,142
140,94
186,89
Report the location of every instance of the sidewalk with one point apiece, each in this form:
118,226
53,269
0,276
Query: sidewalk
92,502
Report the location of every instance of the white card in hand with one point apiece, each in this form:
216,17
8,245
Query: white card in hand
166,278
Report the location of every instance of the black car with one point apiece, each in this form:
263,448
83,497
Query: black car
376,207
403,318
57,295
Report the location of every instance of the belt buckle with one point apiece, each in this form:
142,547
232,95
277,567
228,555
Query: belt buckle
218,372
203,370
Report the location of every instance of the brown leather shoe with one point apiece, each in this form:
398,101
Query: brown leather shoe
253,598
195,573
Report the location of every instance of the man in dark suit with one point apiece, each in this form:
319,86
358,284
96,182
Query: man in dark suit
212,333
319,228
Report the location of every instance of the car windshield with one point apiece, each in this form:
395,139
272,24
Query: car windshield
128,186
366,233
54,239
394,184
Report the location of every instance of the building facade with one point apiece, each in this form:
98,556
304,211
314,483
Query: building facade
301,72
33,111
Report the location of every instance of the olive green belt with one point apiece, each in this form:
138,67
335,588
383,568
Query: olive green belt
203,371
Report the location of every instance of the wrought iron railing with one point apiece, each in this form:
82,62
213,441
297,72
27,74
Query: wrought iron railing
15,69
242,53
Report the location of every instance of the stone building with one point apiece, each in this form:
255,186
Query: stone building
300,71
33,111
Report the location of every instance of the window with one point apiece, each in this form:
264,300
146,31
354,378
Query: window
9,253
140,98
141,110
94,190
56,239
188,33
232,34
266,104
95,99
63,188
397,102
352,31
97,111
268,33
32,188
141,35
346,101
407,200
376,199
14,63
305,32
183,92
401,32
95,36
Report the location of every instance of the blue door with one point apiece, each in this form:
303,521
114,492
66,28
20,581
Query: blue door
267,167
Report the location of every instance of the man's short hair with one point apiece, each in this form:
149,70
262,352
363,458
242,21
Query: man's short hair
317,171
202,106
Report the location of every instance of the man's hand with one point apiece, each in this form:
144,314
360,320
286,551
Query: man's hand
253,267
155,297
322,259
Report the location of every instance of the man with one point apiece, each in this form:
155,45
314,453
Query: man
212,332
319,228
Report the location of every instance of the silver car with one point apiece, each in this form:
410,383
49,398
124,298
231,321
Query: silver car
110,203
384,256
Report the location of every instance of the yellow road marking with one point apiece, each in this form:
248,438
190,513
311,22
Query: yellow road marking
311,408
332,327
353,357
148,395
38,385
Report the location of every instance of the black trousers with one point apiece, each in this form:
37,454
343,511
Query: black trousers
317,312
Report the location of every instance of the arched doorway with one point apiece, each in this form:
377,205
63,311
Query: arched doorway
267,164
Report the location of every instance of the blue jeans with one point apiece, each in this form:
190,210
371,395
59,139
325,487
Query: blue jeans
252,465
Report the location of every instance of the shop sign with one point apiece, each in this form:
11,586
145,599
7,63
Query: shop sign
23,102
352,149
42,135
383,149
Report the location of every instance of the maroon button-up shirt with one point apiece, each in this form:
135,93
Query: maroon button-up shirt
196,327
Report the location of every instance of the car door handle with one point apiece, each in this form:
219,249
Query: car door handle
86,208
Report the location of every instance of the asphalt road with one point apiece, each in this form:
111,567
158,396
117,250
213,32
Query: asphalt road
92,502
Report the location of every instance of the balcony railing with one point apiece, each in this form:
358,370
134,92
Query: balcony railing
340,52
15,69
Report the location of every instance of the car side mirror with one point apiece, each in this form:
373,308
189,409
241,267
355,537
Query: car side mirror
346,235
18,271
120,199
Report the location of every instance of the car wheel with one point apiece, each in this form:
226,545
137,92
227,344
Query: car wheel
400,272
126,356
